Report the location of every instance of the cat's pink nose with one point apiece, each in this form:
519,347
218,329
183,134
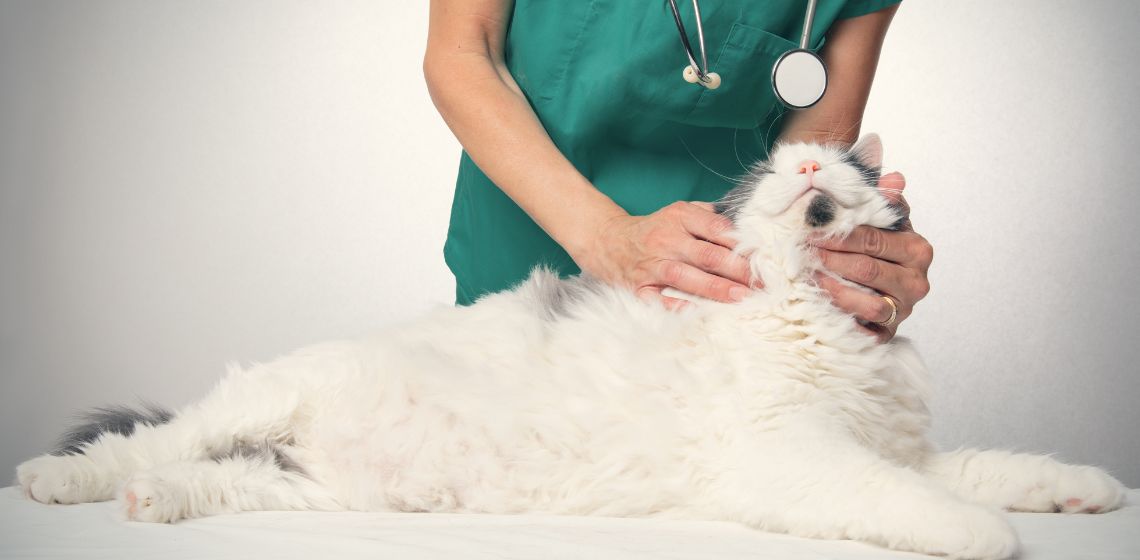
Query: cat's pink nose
809,166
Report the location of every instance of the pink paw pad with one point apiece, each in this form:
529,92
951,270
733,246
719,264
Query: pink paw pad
1072,502
132,503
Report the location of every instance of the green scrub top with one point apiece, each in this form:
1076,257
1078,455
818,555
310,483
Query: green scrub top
604,78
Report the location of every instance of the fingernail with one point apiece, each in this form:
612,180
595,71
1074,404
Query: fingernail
738,293
824,280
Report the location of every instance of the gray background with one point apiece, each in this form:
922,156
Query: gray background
184,184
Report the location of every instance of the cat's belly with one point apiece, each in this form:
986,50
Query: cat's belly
555,419
437,457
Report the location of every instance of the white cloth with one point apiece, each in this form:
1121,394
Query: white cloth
93,531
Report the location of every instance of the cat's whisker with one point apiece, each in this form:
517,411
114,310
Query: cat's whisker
733,180
736,151
768,133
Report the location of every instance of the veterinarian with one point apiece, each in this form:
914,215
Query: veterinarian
583,142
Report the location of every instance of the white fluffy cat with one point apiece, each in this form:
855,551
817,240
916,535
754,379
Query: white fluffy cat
571,397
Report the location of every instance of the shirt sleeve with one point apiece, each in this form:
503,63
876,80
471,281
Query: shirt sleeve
856,8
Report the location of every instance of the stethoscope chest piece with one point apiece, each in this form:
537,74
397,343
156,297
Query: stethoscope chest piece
799,78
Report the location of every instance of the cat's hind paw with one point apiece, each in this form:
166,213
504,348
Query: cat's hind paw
152,500
1082,489
1072,489
64,479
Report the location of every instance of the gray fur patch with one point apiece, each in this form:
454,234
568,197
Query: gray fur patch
870,175
556,297
820,211
262,450
733,201
110,419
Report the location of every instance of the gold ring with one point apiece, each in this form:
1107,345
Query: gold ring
894,313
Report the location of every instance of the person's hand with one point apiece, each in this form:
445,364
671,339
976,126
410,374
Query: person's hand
893,263
683,246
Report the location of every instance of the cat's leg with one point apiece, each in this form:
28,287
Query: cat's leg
254,406
828,486
248,481
1024,482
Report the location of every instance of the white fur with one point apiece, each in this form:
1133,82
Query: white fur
775,412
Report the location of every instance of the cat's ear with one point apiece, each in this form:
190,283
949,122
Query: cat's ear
869,151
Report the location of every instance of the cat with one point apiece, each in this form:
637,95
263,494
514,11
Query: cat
568,396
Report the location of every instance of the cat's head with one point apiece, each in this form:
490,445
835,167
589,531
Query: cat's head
813,189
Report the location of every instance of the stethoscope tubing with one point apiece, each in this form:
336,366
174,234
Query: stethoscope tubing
809,19
700,72
702,69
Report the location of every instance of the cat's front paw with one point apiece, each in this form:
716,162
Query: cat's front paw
967,532
1061,488
64,479
150,499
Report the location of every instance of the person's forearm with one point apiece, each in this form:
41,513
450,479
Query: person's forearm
497,126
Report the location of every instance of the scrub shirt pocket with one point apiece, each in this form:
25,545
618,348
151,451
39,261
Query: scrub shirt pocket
745,97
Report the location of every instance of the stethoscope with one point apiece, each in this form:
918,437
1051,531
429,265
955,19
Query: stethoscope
799,77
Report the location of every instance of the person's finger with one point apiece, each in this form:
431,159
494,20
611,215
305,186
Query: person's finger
694,281
905,285
904,210
902,247
866,307
714,228
707,225
653,293
714,258
892,185
861,306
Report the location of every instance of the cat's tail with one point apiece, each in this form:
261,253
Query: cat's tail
121,420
